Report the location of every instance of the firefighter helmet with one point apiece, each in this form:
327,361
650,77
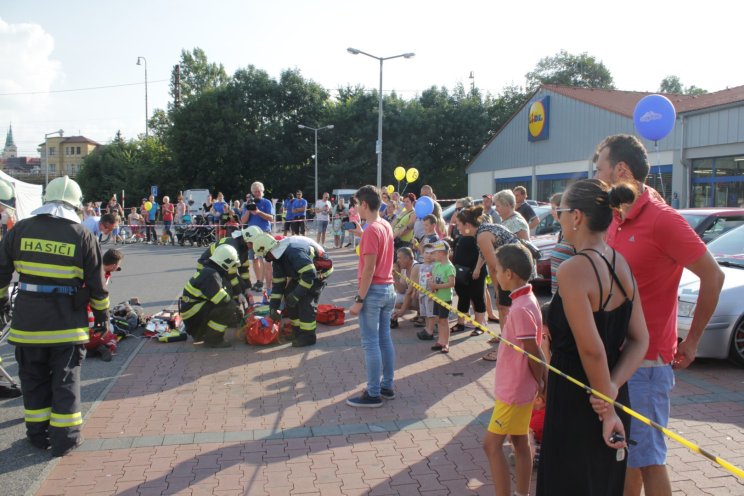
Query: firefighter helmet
65,190
263,243
248,233
225,256
7,194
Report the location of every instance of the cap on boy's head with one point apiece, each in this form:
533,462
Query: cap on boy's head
488,195
428,248
440,245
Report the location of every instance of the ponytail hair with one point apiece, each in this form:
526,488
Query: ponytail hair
597,200
471,215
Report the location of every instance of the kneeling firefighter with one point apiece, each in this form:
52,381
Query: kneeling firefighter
240,275
299,274
207,306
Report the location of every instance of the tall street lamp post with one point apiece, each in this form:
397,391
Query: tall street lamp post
46,152
330,126
147,113
378,147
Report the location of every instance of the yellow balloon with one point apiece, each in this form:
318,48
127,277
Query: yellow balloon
390,189
399,173
412,175
148,206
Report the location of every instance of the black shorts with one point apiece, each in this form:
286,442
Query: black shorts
287,225
440,311
502,297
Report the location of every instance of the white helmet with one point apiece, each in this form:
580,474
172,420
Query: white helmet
263,243
7,194
65,190
225,256
247,233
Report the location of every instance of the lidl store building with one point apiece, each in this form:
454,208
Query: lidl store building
550,142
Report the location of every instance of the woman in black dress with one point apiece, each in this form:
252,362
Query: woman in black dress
599,337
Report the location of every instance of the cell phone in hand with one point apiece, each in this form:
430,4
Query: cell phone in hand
347,226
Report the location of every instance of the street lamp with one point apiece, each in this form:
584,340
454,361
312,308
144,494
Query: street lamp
139,62
378,147
46,152
330,126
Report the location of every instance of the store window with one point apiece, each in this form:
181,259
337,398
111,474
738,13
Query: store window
513,182
660,178
718,182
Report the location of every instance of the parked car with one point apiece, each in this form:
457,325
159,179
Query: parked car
724,335
710,223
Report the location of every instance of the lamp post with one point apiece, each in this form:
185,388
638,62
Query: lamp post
139,62
378,147
46,152
330,126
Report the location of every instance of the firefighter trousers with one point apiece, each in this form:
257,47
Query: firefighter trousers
303,314
210,325
50,380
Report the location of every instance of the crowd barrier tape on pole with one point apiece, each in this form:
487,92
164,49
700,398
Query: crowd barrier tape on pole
672,435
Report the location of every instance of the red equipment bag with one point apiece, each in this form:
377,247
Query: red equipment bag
261,331
330,315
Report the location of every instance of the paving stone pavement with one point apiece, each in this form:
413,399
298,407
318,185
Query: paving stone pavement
182,419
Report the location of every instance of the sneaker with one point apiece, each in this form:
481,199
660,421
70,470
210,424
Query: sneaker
258,286
424,336
365,401
387,394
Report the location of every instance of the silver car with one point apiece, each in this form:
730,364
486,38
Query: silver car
724,335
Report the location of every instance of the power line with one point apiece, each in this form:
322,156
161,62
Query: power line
82,89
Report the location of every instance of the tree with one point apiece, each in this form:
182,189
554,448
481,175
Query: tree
197,75
672,84
582,71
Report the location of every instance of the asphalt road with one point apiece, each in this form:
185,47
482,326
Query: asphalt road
155,274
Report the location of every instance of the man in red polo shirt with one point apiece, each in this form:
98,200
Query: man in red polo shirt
658,244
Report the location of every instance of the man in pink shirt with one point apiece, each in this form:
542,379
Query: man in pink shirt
657,243
375,301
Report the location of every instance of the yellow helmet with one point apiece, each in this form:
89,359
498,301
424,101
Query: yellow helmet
225,256
263,243
247,233
64,190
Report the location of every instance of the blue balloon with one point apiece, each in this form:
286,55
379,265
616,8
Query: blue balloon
424,206
654,117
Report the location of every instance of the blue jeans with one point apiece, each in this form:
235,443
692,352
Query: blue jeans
374,323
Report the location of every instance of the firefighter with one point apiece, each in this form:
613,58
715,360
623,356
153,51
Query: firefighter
299,274
7,201
240,276
54,256
207,307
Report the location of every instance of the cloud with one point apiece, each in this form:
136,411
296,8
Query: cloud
26,51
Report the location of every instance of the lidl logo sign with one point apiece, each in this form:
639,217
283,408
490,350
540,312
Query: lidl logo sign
537,123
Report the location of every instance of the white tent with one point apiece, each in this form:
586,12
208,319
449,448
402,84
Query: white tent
28,196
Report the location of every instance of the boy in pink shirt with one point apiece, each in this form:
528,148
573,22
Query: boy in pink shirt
518,379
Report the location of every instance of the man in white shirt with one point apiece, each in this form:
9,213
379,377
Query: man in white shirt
322,216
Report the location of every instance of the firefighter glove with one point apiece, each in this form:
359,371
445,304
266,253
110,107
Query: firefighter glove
100,318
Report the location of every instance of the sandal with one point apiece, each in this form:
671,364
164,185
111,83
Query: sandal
445,349
493,319
457,328
476,332
491,356
440,347
424,336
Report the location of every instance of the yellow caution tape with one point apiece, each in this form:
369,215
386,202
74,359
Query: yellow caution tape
689,444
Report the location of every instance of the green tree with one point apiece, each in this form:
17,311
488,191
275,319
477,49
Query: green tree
672,84
198,75
583,71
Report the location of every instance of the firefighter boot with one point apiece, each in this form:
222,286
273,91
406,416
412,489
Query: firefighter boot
303,338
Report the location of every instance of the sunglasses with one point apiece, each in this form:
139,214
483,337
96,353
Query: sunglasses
559,210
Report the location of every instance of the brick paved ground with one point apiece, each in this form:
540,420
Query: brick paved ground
187,420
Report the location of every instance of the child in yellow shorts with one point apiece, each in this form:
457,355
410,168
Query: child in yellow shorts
518,379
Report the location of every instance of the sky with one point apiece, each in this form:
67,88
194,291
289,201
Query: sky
53,54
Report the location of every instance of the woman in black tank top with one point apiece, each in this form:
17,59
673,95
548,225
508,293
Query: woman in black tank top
599,337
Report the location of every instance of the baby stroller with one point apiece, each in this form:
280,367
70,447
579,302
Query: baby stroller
181,229
200,233
11,389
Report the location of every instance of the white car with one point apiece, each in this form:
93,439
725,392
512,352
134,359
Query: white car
723,337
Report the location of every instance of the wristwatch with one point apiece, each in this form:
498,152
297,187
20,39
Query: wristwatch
358,299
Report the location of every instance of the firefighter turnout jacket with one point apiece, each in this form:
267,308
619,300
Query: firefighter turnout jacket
208,288
240,277
54,257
